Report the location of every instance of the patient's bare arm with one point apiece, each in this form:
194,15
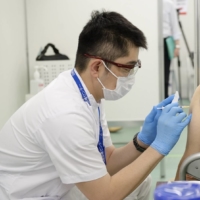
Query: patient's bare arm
193,136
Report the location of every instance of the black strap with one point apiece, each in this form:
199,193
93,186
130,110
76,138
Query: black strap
57,55
56,51
137,146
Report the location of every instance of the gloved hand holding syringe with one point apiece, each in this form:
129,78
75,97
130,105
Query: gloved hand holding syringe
176,97
161,129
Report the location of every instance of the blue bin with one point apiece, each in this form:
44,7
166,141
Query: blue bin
180,190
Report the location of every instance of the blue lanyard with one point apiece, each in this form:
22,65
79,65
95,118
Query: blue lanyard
100,145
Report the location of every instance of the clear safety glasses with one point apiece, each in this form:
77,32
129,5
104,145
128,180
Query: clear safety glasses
131,69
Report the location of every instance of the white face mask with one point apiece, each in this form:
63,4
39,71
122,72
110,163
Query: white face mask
124,85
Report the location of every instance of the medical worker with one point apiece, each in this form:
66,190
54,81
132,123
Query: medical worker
59,138
170,29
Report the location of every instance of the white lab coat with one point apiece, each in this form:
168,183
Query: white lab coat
50,143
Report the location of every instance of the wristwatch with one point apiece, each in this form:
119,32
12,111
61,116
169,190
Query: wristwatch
177,46
137,146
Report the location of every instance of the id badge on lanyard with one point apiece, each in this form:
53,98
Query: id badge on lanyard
100,145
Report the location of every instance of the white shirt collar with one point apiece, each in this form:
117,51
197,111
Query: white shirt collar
90,96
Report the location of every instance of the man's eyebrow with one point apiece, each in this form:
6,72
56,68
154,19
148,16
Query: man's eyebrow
131,62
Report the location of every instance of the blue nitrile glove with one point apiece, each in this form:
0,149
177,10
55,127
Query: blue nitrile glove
170,126
149,128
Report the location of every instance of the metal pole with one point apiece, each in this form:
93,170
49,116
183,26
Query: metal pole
26,37
197,43
161,67
161,50
191,56
179,79
179,61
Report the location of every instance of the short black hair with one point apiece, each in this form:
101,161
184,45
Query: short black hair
107,35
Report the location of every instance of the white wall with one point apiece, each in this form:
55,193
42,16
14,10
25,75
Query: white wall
61,21
13,71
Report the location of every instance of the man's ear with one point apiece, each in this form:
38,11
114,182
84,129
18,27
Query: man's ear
95,67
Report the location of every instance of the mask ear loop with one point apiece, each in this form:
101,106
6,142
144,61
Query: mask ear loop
101,83
109,70
99,79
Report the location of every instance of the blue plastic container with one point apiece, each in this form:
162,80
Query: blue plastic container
180,190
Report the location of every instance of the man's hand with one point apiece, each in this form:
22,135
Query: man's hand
170,126
149,129
176,52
